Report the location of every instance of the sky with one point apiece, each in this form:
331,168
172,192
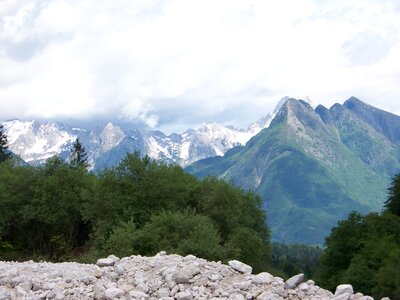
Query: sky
175,64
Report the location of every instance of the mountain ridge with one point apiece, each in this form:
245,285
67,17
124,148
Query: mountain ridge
36,141
311,167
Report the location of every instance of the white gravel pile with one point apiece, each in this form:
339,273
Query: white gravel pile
166,277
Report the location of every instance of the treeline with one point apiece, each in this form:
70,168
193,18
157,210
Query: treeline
290,260
365,251
60,211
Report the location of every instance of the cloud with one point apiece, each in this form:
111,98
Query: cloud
174,64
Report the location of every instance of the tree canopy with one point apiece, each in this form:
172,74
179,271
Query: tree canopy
57,211
365,251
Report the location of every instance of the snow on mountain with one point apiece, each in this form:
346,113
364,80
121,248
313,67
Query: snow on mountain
35,141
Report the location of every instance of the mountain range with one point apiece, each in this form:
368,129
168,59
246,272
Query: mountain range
107,145
310,166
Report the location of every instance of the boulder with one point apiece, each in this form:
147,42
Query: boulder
294,281
240,267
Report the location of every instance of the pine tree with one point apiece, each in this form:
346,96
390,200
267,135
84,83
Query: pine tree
392,204
78,156
4,153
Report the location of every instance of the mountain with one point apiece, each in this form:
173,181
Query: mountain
107,145
312,167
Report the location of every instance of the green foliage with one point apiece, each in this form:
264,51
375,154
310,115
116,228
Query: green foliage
362,251
246,245
78,156
392,204
181,232
4,153
59,211
295,259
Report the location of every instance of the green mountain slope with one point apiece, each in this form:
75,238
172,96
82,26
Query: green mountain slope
311,168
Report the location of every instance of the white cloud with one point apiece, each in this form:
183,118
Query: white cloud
177,63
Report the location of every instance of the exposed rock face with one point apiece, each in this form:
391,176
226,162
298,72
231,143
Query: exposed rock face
166,277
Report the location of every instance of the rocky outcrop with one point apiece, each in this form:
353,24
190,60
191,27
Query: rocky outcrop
167,277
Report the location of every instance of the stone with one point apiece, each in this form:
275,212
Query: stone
4,293
120,270
112,293
343,296
236,297
263,278
138,295
294,281
183,296
240,267
105,262
186,273
114,258
163,292
344,288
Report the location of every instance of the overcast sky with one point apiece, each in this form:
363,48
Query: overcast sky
175,64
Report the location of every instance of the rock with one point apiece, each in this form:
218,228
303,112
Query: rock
186,273
263,278
138,295
105,262
120,270
343,296
163,292
236,297
240,267
4,293
294,281
112,293
114,258
183,296
344,288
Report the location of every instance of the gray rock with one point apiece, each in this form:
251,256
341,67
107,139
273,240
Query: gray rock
4,293
294,281
343,296
183,296
237,297
105,262
263,278
186,273
138,295
112,293
98,290
163,292
344,288
120,270
114,258
240,267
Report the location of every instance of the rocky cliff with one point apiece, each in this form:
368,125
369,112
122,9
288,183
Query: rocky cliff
163,276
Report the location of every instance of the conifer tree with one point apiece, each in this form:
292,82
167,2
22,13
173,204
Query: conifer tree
78,156
4,153
392,204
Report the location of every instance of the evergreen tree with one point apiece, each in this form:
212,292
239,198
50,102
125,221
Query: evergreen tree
392,204
4,153
78,156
